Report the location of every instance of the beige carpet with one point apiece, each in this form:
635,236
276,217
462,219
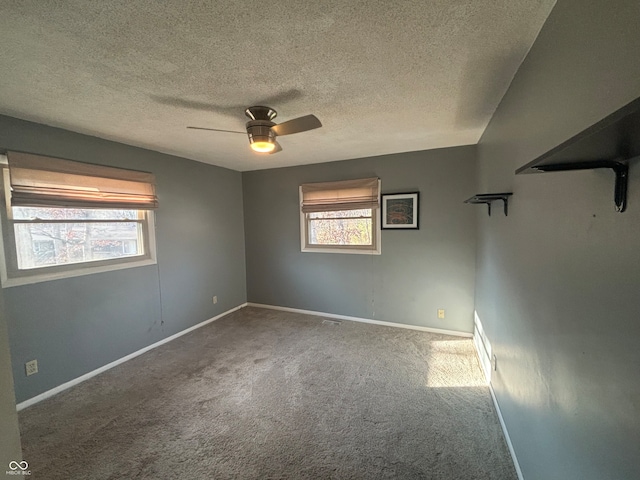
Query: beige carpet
262,394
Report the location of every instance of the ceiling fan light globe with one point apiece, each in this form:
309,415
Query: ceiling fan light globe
263,147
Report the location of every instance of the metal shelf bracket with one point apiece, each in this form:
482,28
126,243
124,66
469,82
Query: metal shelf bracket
620,169
488,198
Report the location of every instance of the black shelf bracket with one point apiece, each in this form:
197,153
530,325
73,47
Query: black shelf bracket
620,169
613,142
487,198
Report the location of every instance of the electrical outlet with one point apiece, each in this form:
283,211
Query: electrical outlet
31,367
215,299
441,313
495,363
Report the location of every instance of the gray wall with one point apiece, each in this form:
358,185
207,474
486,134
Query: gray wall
558,279
418,272
75,325
9,432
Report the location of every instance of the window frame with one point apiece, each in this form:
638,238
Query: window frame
11,276
375,249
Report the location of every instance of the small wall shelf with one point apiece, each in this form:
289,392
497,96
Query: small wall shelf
609,143
487,198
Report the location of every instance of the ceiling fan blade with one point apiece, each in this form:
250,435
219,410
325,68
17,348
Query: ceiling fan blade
297,125
216,130
277,149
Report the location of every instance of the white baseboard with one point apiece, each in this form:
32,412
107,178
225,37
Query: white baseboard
482,347
363,320
93,373
506,434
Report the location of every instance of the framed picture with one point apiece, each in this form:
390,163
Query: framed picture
400,210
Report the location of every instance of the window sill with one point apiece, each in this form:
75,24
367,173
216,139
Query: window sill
48,276
340,250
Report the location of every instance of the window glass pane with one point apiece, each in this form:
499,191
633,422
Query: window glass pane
340,231
47,244
342,214
52,213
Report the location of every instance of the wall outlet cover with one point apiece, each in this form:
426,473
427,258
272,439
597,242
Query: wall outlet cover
31,367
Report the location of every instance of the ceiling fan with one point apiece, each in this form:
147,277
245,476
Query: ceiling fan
262,131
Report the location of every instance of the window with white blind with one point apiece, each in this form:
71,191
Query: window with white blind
340,217
62,218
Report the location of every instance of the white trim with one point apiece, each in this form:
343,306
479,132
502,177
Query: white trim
363,320
87,376
482,347
82,268
357,251
483,350
376,223
506,434
45,274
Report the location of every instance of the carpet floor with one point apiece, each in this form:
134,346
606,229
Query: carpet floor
263,394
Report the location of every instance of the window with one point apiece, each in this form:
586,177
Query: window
340,217
62,218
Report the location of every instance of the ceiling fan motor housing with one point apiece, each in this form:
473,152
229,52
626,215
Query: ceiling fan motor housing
260,131
259,127
259,112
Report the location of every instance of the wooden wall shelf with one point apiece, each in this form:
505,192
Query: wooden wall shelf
609,143
487,198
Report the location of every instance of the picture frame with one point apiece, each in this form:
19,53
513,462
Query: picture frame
399,211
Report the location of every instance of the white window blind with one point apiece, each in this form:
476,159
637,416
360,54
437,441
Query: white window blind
39,181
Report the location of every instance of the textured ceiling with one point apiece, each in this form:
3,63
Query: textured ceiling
383,77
